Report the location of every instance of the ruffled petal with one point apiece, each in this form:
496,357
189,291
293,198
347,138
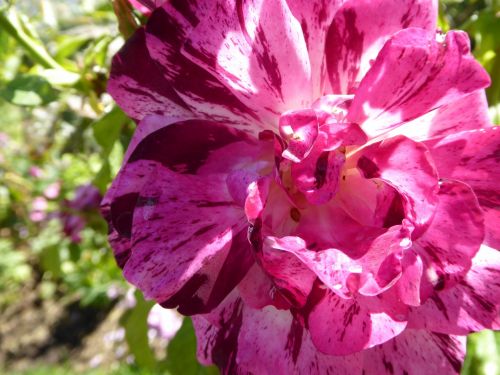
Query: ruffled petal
417,352
118,204
317,176
451,241
406,165
370,202
471,305
318,227
408,286
293,279
360,29
242,340
371,274
474,158
425,73
346,134
299,129
344,326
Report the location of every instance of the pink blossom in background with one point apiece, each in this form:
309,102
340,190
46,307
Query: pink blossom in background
315,183
39,208
35,172
164,323
52,191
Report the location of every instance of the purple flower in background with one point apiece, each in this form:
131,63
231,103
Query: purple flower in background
87,197
75,211
314,182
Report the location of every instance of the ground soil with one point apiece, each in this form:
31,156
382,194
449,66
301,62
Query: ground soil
35,332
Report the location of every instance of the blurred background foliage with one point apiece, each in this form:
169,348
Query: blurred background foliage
64,306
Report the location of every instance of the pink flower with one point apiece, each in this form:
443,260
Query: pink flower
52,191
39,208
164,323
35,172
315,182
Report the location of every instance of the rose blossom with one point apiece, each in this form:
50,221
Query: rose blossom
315,182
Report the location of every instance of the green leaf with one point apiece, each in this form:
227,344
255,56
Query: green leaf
107,129
482,354
134,322
50,260
19,27
181,353
127,24
103,177
70,44
29,90
60,77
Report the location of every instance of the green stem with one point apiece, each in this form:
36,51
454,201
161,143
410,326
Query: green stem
9,21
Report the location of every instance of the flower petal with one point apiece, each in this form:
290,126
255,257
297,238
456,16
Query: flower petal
138,86
451,241
344,326
256,49
317,176
417,352
201,252
408,285
424,74
242,340
371,274
370,202
360,29
470,306
467,113
293,279
166,32
474,158
406,165
300,130
315,228
315,17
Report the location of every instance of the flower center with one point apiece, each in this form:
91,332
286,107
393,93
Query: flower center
315,141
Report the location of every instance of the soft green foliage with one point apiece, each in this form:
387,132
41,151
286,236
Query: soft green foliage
181,354
136,332
60,129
